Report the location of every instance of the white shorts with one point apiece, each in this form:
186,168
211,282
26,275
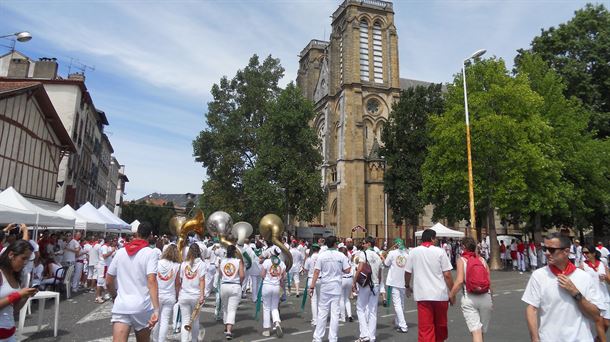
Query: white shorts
138,321
477,311
101,275
605,314
91,272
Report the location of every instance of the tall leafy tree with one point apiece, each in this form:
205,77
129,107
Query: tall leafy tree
288,161
157,216
579,51
227,147
405,140
514,161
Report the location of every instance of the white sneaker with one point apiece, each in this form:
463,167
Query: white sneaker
278,330
266,333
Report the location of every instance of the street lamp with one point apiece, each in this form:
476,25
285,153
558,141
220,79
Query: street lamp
21,37
473,227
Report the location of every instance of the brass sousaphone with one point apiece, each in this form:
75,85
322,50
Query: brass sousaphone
271,229
240,232
181,226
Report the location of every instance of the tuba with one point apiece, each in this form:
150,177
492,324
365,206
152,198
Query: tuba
240,232
271,228
181,227
221,223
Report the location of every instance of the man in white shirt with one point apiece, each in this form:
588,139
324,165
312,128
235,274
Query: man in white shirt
309,267
604,251
568,300
70,250
432,281
368,296
72,256
297,266
329,270
136,304
397,262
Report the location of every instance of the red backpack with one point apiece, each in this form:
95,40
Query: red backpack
477,276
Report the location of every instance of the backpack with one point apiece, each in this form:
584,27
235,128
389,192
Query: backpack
364,277
477,276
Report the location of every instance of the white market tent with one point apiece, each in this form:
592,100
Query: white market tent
89,212
134,226
82,222
122,225
40,217
442,231
14,215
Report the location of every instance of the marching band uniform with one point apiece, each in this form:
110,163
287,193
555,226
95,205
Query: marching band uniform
273,273
397,261
192,276
230,289
297,264
310,264
254,272
167,272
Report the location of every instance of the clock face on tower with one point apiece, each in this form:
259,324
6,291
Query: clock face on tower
372,106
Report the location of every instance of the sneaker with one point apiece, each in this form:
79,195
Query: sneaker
298,295
350,318
363,339
278,330
342,320
266,333
229,336
402,331
313,323
106,296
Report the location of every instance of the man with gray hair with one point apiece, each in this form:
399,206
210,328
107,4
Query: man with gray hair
564,296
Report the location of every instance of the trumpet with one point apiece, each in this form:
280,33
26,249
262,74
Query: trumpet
194,316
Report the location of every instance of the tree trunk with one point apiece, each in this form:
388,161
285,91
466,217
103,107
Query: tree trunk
494,262
537,229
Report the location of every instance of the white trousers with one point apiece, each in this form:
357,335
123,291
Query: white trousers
521,262
294,280
345,304
314,303
165,315
187,305
366,307
256,282
271,301
230,294
327,303
78,272
398,300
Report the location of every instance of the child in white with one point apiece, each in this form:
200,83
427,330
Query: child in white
192,277
168,282
273,274
232,275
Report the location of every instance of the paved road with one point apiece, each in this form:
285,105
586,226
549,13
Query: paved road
83,320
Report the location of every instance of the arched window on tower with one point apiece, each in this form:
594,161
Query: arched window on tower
377,53
364,51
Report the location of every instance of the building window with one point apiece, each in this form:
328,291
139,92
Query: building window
364,51
372,106
377,53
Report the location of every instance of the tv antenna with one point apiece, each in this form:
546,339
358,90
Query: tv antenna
74,62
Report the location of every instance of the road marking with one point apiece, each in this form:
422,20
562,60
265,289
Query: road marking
387,315
519,290
301,332
264,339
495,295
507,293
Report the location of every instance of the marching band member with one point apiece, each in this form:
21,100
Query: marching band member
273,274
297,265
192,277
345,303
168,282
232,275
368,296
254,272
397,261
309,266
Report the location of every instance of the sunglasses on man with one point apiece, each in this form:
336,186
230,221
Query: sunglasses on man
552,249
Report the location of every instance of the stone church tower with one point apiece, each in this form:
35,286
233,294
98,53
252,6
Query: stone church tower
353,80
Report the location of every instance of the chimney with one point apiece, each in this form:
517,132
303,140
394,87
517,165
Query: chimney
77,76
46,68
18,68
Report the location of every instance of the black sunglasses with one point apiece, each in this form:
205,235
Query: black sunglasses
552,249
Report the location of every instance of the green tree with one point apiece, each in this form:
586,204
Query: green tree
158,216
227,148
405,140
579,51
514,161
586,160
288,159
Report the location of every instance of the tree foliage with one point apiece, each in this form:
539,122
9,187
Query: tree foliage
158,216
258,148
579,51
405,139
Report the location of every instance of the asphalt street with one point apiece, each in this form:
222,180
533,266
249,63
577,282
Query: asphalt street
83,320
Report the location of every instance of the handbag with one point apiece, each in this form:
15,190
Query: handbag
364,276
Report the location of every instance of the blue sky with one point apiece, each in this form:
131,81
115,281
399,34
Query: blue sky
155,61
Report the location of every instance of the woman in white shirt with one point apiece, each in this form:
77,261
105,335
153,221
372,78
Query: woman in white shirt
273,274
597,270
192,278
232,275
51,273
168,284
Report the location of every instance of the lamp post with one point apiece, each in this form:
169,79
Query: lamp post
473,227
21,37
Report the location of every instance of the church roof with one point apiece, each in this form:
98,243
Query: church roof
406,83
179,200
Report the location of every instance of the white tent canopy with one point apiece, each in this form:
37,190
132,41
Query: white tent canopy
41,217
14,215
134,226
442,231
122,225
89,212
82,222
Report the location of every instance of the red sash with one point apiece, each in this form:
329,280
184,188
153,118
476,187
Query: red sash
593,266
570,268
6,333
426,244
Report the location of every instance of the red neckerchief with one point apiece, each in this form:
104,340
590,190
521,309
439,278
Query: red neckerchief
593,266
570,268
532,246
427,244
134,246
600,246
467,254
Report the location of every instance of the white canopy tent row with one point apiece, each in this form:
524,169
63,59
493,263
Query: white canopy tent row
122,225
89,212
442,231
82,223
19,210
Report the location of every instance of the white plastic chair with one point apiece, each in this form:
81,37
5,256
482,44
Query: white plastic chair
41,296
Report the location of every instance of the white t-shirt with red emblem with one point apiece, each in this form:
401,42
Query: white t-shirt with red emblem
397,262
229,270
190,274
274,268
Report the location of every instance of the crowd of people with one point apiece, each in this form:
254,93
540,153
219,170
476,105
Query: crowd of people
157,290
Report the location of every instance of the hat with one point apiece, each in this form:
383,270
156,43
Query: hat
315,245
